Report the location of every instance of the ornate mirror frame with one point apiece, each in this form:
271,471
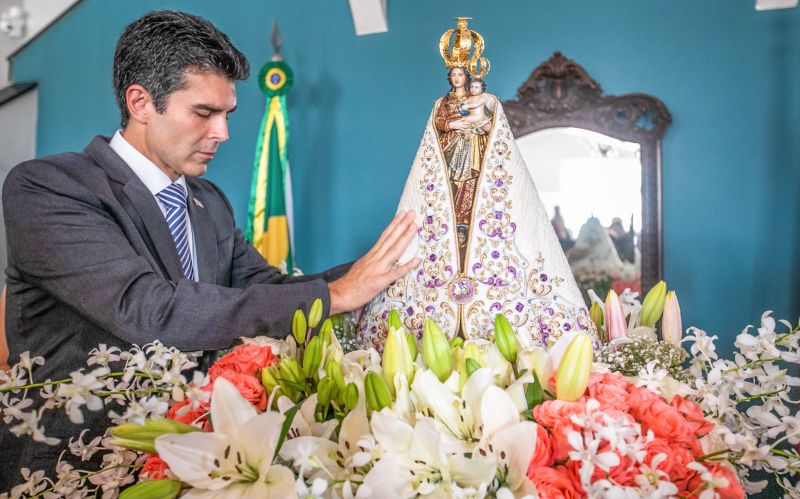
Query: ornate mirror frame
560,93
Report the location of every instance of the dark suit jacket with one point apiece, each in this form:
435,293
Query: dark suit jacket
91,260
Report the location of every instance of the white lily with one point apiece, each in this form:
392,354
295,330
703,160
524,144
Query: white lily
458,416
416,461
304,423
510,440
236,459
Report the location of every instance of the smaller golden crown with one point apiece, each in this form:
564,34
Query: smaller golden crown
459,56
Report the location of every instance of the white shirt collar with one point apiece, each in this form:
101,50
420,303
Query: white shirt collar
151,176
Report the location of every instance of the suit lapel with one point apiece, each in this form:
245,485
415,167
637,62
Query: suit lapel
142,208
205,237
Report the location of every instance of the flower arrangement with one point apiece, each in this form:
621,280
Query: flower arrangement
502,418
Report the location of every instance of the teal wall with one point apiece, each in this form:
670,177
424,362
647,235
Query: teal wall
729,75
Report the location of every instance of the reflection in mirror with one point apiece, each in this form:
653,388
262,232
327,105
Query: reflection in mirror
591,186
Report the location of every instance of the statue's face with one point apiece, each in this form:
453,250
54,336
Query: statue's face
476,88
457,78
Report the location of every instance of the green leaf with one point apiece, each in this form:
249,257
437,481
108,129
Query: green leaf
472,365
287,423
534,395
152,489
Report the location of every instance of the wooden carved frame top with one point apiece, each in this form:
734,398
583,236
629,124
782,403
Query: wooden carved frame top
560,93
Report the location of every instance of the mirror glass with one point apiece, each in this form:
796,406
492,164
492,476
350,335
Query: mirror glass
591,186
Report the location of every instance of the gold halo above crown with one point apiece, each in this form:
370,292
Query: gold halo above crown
463,54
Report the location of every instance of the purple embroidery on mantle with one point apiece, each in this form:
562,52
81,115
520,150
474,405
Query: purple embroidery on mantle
430,187
430,309
477,266
432,257
519,307
385,314
498,215
429,219
495,254
498,183
495,306
410,311
512,271
543,277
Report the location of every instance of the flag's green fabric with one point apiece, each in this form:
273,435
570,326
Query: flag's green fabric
269,215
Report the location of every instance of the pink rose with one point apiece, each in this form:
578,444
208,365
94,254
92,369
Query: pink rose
559,437
698,424
249,387
555,483
246,359
655,414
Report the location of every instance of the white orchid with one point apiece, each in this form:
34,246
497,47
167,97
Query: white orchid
236,459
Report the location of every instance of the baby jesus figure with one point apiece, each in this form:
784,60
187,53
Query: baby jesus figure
474,107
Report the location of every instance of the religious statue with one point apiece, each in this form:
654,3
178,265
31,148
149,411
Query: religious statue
484,237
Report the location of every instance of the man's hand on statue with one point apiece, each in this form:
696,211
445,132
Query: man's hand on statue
378,268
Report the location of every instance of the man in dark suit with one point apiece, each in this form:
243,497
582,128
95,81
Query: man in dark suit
124,243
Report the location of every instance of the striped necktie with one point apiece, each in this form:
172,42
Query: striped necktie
174,199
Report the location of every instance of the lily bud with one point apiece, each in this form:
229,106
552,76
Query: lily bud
152,489
268,380
299,327
572,377
142,437
376,392
397,358
290,370
350,397
596,314
312,357
504,338
672,326
333,370
315,313
326,333
412,345
536,360
472,351
326,391
653,304
394,322
436,351
615,319
457,342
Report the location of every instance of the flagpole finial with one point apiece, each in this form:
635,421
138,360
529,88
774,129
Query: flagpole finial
277,42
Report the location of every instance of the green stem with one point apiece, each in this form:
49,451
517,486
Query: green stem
67,380
126,392
754,363
93,473
713,454
760,395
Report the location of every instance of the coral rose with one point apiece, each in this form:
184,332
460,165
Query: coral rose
246,359
548,413
698,424
249,387
732,491
543,453
555,483
610,396
154,468
184,413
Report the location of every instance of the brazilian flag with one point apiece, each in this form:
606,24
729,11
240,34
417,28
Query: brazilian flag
269,225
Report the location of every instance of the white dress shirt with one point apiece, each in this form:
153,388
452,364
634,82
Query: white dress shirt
155,180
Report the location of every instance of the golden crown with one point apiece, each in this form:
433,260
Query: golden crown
459,56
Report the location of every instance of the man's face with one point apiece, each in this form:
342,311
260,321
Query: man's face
184,138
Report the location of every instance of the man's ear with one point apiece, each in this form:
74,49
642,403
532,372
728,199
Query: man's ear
139,102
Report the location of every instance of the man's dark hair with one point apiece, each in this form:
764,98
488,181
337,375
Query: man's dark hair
158,49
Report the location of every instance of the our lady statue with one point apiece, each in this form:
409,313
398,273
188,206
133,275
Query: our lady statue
486,243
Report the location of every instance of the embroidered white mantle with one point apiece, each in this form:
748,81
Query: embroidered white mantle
514,263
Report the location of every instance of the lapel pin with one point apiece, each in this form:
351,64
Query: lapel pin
198,203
